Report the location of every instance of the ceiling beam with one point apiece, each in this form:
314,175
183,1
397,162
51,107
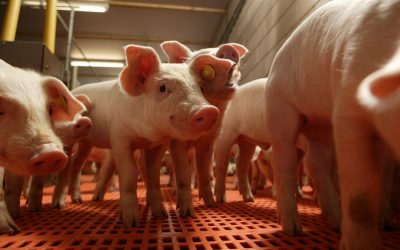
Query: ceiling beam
134,4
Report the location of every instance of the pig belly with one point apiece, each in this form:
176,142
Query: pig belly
262,144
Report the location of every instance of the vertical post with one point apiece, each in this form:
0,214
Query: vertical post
67,73
50,24
10,22
74,78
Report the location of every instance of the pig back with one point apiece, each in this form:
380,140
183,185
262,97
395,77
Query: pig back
246,111
103,110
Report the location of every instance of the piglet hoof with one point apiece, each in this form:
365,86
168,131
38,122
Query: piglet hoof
58,204
129,219
35,206
220,198
76,200
7,225
98,194
208,198
292,228
97,197
248,197
185,210
129,213
159,211
184,204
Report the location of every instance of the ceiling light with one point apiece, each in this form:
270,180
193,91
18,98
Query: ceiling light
77,6
99,64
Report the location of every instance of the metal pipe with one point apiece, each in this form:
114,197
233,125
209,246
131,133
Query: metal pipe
67,75
77,45
10,22
50,25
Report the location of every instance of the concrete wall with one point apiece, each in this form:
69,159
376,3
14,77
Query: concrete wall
262,27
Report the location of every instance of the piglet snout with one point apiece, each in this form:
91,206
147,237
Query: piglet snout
49,159
228,52
82,126
205,118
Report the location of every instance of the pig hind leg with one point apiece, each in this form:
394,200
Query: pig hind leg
283,124
360,184
319,159
106,172
246,151
223,147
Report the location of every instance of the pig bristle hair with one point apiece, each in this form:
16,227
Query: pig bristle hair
176,72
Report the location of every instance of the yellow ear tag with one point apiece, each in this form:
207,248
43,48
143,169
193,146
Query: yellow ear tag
60,101
208,72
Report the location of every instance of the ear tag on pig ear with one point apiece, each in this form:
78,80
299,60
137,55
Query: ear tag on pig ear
208,72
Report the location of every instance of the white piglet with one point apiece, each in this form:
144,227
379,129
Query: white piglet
148,105
218,88
314,85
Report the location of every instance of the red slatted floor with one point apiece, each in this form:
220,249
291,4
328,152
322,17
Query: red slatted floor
233,225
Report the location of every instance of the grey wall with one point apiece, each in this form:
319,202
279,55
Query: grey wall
262,27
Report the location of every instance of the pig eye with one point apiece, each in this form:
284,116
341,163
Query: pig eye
163,88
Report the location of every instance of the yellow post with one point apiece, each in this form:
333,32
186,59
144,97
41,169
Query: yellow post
50,24
10,22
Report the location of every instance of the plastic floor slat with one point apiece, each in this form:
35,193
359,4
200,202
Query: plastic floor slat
232,225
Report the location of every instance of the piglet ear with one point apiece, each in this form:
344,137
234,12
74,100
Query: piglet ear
212,69
385,85
84,99
242,50
63,106
176,51
231,51
141,62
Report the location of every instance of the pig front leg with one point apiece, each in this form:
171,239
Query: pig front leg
255,176
59,193
183,173
106,172
12,191
283,125
127,176
319,159
204,152
360,185
74,185
35,193
246,151
7,225
74,161
153,158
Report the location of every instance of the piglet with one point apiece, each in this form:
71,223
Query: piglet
217,87
148,105
29,104
316,81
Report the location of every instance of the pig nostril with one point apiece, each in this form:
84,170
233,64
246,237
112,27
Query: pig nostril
78,126
199,119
